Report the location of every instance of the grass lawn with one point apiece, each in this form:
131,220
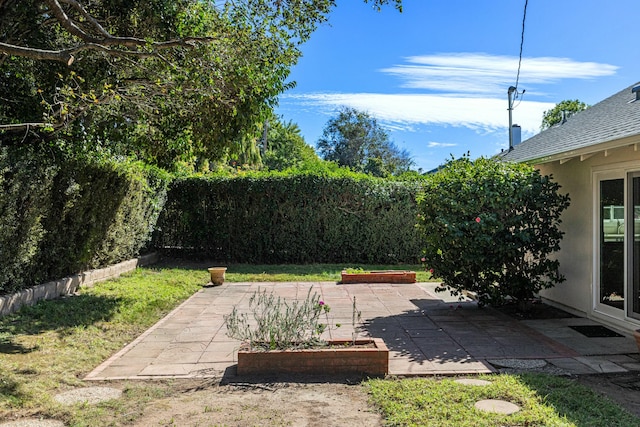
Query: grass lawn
545,401
49,348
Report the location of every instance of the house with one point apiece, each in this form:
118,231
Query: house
595,156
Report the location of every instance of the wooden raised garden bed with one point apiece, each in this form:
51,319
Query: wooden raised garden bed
368,357
386,276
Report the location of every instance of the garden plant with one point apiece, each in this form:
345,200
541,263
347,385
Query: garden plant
274,323
490,227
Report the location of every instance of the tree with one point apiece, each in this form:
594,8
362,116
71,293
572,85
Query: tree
159,79
562,111
355,139
286,148
489,227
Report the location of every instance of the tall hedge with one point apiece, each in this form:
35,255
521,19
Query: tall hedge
60,216
300,218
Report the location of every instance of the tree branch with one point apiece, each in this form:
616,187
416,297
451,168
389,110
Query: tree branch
67,23
67,56
39,54
94,22
22,126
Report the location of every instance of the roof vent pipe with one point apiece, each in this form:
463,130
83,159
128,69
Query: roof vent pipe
636,90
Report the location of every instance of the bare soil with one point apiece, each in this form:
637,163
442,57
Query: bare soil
313,402
256,403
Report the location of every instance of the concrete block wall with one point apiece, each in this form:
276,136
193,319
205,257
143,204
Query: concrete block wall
68,285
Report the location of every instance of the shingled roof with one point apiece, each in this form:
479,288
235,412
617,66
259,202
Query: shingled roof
606,125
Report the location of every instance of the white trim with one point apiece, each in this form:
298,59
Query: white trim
625,167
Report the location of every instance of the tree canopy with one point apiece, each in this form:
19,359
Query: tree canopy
562,111
162,80
286,148
355,139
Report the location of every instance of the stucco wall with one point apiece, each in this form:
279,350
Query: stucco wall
577,248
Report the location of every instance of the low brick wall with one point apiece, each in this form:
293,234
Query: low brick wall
68,285
386,276
336,360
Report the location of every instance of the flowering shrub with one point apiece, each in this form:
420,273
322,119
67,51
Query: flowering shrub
275,323
489,227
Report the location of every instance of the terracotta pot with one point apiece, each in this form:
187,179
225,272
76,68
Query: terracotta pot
217,275
338,358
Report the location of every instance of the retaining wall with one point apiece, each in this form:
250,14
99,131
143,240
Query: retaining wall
68,285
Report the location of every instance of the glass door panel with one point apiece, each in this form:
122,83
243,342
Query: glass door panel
611,289
634,237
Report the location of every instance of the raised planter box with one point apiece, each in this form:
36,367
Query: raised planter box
338,358
386,276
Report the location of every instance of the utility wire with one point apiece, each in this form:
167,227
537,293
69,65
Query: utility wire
524,18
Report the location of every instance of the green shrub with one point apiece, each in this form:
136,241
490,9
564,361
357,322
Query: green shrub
59,216
292,218
25,193
490,227
102,213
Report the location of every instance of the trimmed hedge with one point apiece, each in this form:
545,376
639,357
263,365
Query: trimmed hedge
299,218
59,217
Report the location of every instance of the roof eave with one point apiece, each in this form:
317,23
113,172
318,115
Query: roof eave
586,152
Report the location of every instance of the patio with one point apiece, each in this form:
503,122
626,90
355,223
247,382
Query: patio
427,333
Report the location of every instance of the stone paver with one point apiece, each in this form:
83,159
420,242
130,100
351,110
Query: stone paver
600,364
89,395
497,406
33,423
473,381
427,333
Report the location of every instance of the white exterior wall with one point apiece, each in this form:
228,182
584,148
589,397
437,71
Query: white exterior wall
577,253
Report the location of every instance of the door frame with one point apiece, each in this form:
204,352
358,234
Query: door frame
597,306
629,250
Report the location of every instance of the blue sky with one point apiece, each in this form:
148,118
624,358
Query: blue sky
436,76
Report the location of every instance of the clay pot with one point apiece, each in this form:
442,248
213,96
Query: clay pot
217,275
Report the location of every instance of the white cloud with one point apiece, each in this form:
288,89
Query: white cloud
478,73
406,110
460,89
434,144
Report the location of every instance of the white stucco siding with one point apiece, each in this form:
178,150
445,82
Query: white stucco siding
576,255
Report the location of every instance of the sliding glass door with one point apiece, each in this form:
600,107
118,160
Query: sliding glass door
633,236
617,291
611,247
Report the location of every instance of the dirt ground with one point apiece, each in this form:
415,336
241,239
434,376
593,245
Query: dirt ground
313,404
259,404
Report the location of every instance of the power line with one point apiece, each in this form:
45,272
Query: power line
524,18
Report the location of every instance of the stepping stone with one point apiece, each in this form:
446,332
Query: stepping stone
33,423
497,406
88,395
472,381
519,363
